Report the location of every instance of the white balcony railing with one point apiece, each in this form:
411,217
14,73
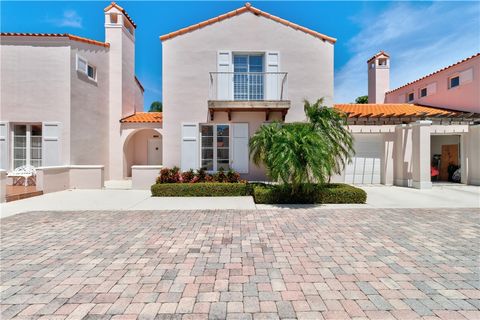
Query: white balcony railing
248,86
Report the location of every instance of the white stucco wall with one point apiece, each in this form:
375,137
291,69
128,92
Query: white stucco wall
465,97
35,84
188,59
89,107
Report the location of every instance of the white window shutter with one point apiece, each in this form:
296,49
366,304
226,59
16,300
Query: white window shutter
4,142
273,80
190,146
466,76
240,156
431,88
82,64
224,77
51,133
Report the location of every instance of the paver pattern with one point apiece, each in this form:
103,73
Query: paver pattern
272,264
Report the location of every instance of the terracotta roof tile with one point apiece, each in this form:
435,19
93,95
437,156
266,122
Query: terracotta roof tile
391,110
247,7
144,117
59,35
379,54
114,5
431,74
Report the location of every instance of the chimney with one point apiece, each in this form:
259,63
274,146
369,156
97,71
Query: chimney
378,77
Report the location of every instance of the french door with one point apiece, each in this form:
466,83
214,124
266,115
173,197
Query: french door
27,145
215,146
248,82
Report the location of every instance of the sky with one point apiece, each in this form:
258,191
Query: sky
421,37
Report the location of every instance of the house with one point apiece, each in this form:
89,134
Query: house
73,107
75,104
428,125
218,89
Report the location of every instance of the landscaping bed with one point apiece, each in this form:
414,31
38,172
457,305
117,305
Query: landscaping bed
202,189
309,194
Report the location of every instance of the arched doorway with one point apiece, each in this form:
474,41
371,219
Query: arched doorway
142,147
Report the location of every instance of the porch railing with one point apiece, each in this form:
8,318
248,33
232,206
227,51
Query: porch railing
248,86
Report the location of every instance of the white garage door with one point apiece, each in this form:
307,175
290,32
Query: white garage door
365,166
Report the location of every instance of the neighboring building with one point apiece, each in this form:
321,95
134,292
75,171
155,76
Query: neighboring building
456,87
67,100
224,77
426,125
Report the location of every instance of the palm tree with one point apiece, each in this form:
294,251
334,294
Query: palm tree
298,154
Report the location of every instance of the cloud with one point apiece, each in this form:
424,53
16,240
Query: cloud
70,18
420,38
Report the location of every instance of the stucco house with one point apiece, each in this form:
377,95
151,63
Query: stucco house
404,136
74,105
60,93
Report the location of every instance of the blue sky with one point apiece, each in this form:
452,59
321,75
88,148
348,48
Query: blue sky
421,37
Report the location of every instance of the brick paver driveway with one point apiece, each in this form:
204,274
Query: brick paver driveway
305,264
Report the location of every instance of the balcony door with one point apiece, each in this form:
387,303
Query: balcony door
248,78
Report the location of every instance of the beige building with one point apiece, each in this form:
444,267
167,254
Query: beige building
219,88
70,102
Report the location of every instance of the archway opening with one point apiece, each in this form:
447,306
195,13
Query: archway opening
142,147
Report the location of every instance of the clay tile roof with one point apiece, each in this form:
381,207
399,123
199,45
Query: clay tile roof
114,5
381,53
247,7
144,117
431,74
355,110
59,35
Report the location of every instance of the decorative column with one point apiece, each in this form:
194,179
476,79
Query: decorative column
421,158
472,150
402,156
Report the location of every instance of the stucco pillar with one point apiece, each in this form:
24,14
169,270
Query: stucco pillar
421,155
388,158
402,157
472,147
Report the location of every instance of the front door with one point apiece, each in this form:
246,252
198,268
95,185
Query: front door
154,151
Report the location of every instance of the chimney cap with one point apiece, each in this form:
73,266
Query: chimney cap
380,53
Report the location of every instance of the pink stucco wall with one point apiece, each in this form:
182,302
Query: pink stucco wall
465,97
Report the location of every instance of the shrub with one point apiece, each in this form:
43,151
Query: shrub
169,175
309,193
188,176
211,189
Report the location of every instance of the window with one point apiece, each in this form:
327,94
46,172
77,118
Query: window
27,145
454,82
84,67
92,72
248,77
215,146
423,92
382,62
410,97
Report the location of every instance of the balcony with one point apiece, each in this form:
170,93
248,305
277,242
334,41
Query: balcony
248,91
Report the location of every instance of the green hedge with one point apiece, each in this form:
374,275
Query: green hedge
210,189
329,193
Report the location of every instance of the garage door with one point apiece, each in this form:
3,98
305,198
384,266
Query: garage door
365,166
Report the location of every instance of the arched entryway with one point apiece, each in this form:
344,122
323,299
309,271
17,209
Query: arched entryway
142,147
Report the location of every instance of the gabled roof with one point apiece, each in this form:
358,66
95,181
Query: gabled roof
371,110
381,53
144,117
114,5
59,35
431,74
246,8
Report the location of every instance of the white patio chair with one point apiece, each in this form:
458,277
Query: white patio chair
27,173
